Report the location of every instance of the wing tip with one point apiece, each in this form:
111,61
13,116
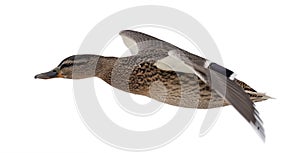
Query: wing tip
259,129
124,32
130,32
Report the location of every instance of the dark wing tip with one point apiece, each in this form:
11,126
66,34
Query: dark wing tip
125,31
241,101
137,36
235,94
259,129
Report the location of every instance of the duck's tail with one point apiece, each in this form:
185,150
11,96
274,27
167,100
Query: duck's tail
254,95
257,96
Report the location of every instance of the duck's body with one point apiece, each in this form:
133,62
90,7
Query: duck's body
171,87
166,73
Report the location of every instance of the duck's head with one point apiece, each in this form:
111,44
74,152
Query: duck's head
73,67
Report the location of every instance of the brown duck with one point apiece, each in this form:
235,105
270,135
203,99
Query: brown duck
166,73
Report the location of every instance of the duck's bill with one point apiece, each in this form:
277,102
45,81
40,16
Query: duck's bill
47,75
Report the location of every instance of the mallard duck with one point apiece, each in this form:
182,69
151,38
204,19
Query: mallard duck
166,73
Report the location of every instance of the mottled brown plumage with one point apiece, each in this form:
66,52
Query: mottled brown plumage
164,72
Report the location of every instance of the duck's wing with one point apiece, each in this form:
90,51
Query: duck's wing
222,81
138,42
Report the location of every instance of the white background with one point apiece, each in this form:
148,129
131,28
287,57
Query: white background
259,40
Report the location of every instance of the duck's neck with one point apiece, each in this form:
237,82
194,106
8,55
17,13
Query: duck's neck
104,68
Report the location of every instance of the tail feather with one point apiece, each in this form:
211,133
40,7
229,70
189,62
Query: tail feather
254,95
257,96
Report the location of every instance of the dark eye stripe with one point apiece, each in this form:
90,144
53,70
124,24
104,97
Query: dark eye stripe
66,65
71,64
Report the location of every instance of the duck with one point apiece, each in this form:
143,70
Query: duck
166,73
